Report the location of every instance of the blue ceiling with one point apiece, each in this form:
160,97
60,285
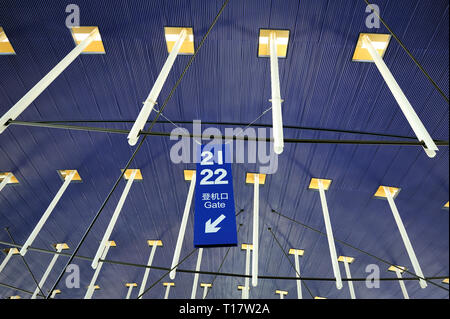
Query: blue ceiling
227,82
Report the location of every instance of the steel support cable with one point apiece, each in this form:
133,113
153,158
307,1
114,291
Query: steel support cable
245,138
408,52
358,249
290,262
26,264
18,289
165,274
138,147
130,264
60,124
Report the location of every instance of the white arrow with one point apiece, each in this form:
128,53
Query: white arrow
211,227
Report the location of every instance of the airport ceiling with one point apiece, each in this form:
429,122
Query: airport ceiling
227,82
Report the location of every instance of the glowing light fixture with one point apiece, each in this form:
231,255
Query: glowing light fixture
5,45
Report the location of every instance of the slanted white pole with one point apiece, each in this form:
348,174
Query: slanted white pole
277,119
401,283
255,230
32,94
205,289
59,248
47,213
282,293
330,237
187,208
114,218
245,293
168,285
147,270
11,251
405,238
142,118
243,289
197,268
5,181
414,121
130,289
54,293
297,253
345,260
91,287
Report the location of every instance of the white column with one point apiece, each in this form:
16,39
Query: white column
349,276
11,252
333,255
91,287
187,208
247,272
5,181
277,119
255,230
168,285
142,118
32,94
401,283
297,274
147,270
130,289
114,218
414,121
405,238
196,275
47,272
205,289
47,213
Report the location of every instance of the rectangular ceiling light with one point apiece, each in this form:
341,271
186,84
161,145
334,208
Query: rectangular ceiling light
61,246
81,33
188,174
250,178
129,171
349,259
282,42
5,45
64,172
12,180
152,242
399,268
379,41
299,252
171,35
380,193
314,184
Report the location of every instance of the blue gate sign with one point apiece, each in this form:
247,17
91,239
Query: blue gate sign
215,219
